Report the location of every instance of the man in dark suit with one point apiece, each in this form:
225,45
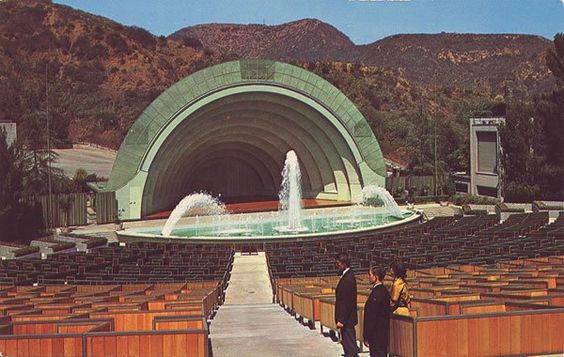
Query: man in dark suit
377,315
345,305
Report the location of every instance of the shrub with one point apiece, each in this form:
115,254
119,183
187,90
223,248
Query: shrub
425,190
62,246
461,200
411,191
162,41
96,242
92,73
399,192
142,36
521,192
192,42
117,43
21,223
97,32
540,205
469,211
448,188
25,20
83,48
38,41
25,251
423,199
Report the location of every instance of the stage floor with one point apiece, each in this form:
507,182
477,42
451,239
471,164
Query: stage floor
262,206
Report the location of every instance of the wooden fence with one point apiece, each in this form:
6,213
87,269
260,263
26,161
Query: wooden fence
61,210
106,207
417,183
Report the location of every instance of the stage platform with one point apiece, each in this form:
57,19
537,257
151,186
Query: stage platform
262,206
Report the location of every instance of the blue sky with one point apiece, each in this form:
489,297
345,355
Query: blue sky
364,21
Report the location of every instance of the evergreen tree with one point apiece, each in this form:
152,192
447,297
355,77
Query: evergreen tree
18,220
37,158
555,59
11,174
551,110
521,159
533,140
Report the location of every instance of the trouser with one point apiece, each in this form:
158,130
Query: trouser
348,340
377,351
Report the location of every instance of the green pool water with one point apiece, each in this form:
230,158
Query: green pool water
273,224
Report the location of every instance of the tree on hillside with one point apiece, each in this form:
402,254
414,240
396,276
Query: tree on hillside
532,140
11,174
555,59
9,99
18,220
37,157
421,144
521,158
551,110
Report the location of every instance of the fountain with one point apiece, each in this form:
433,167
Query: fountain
291,195
289,222
204,202
371,193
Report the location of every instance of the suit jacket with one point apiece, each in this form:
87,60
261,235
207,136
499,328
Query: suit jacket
377,317
345,304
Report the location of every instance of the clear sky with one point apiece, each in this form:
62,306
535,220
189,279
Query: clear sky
364,21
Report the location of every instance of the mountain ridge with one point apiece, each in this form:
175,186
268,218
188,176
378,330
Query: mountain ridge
270,39
418,54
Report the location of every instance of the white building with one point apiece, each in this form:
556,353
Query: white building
11,132
485,154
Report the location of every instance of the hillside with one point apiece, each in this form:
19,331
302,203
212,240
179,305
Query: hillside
497,63
101,74
307,39
483,62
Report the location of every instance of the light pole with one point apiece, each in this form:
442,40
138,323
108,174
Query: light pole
436,176
49,204
435,132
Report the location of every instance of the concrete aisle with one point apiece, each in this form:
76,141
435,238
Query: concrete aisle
249,324
250,282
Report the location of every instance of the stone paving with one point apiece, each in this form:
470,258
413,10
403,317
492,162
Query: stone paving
249,324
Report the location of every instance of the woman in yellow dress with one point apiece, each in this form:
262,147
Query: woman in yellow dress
399,293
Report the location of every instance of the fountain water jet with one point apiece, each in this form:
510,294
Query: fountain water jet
371,192
202,201
291,194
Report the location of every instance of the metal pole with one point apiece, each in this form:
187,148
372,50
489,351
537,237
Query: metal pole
436,190
435,132
49,205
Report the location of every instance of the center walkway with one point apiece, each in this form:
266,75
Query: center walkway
249,324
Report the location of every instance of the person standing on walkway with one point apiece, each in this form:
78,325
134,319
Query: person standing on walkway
399,294
377,315
345,305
